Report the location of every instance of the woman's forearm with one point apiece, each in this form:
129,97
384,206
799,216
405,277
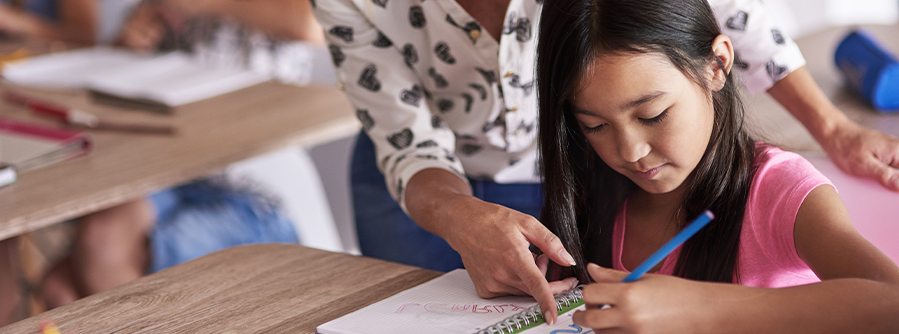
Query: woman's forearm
801,96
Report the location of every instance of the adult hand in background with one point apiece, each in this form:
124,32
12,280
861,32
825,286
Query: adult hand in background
145,29
864,152
494,241
856,150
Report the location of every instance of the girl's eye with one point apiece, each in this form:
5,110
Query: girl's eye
595,129
655,120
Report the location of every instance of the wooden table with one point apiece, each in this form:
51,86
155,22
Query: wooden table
272,288
212,134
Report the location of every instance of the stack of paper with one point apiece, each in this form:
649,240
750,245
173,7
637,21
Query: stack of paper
155,82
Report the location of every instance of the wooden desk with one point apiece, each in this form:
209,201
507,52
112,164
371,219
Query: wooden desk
212,134
272,288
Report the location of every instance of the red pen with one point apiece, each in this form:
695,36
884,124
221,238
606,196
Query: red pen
80,118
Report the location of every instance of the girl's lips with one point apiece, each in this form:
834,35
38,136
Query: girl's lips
648,174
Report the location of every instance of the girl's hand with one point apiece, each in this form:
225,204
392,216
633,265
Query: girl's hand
652,304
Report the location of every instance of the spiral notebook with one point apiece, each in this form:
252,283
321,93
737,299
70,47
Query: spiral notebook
450,304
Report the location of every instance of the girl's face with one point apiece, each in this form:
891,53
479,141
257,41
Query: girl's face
644,118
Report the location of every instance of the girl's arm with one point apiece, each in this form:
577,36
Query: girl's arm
859,292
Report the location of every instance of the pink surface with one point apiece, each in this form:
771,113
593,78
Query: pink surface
874,209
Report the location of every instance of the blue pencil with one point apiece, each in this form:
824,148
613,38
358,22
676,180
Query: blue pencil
696,225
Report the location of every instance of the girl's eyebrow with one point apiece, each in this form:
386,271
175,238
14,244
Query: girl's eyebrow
630,105
644,99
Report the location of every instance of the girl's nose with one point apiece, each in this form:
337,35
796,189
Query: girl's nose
632,146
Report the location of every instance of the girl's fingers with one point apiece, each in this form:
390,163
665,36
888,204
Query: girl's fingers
598,319
606,275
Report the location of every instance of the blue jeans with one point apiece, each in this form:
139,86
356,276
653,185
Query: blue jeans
202,217
387,233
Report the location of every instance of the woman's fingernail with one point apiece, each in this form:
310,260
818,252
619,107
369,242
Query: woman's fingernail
567,257
573,282
549,320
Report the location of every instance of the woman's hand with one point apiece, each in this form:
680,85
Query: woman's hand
494,244
493,240
864,152
144,30
652,304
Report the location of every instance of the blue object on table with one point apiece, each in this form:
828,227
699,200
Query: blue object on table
871,69
678,239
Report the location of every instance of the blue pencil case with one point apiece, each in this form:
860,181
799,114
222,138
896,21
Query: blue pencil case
871,69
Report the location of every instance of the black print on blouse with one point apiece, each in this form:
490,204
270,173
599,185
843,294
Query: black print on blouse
343,32
427,156
313,3
411,96
382,41
402,139
337,56
739,63
444,105
470,149
449,155
464,137
439,80
369,78
417,17
468,28
491,125
775,71
382,3
489,76
427,93
399,190
456,170
365,118
410,55
778,36
481,90
438,123
443,52
397,162
527,127
738,22
427,143
514,161
521,28
514,81
468,101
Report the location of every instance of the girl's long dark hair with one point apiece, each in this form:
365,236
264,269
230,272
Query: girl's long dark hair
583,194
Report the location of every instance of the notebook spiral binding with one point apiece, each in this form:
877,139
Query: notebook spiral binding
532,314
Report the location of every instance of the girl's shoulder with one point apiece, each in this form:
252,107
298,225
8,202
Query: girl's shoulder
782,178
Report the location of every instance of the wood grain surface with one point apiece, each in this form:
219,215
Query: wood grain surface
772,123
263,288
212,134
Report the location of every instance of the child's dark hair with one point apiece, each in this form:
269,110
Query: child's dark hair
583,194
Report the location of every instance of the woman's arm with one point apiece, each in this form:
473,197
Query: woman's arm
859,292
493,240
855,149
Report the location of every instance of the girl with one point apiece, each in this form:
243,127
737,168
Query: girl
641,128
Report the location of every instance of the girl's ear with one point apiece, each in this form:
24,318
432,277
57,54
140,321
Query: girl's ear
724,51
